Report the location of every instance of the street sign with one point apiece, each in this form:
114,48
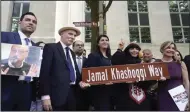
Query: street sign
125,73
85,24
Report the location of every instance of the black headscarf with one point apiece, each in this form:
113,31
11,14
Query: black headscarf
130,59
124,57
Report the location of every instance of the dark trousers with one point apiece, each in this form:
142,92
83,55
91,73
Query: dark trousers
153,102
125,103
70,104
100,97
16,96
82,99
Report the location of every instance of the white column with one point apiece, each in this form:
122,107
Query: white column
61,17
160,22
76,14
6,14
117,24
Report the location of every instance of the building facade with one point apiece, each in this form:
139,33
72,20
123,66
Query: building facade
148,23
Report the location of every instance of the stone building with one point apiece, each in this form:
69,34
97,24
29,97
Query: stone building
148,23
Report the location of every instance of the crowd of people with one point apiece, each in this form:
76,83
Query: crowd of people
60,86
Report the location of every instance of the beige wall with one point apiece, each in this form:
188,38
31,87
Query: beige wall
160,26
45,13
68,12
52,15
160,22
117,23
6,14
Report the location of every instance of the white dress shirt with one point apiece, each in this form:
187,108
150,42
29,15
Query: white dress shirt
46,97
22,37
81,59
23,42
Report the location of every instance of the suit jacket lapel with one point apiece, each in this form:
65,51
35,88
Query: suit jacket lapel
83,60
61,51
17,38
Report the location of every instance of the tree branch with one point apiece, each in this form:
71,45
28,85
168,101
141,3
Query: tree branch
107,7
89,3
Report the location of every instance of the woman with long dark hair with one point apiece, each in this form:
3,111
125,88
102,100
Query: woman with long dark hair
130,96
100,95
178,56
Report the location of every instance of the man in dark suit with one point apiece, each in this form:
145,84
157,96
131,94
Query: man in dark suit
78,48
82,94
16,91
59,75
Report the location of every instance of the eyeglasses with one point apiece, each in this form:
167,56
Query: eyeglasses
82,45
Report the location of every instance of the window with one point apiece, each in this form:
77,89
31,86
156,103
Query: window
88,31
139,28
19,8
179,14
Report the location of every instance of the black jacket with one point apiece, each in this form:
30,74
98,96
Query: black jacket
55,74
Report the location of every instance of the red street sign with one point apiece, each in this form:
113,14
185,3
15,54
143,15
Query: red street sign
85,24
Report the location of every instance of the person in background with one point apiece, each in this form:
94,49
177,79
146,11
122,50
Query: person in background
178,76
16,92
84,53
151,92
147,56
100,95
78,48
179,58
82,98
126,94
187,62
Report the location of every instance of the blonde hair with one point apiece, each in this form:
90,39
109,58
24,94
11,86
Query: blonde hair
165,45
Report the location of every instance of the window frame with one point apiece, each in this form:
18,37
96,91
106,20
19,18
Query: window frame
180,20
20,13
139,26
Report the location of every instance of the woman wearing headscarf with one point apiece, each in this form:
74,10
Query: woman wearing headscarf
130,96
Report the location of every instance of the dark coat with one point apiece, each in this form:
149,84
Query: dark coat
55,74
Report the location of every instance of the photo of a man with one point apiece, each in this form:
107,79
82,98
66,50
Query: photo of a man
15,64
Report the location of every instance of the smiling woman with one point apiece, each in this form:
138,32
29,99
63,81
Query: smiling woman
178,76
130,97
100,95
